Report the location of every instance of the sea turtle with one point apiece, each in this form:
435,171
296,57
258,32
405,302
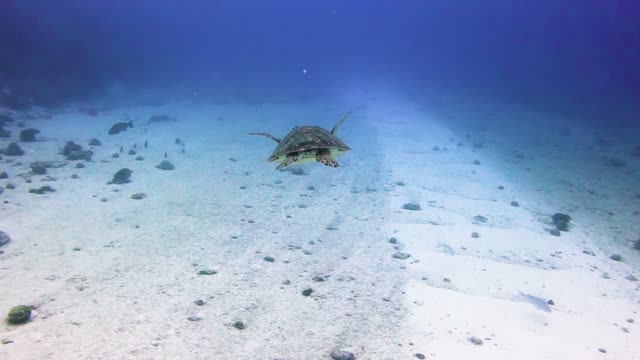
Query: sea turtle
308,144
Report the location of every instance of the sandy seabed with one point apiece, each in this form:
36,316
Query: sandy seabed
111,277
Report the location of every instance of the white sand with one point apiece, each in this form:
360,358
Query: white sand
129,290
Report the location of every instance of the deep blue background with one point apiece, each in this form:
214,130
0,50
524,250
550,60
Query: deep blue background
576,56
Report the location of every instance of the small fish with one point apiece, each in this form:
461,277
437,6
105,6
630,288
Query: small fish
145,144
538,302
121,148
165,154
120,127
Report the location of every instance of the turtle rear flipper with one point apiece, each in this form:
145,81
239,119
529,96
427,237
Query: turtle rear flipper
290,159
324,157
267,135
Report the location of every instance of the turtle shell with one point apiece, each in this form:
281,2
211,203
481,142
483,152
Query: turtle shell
307,138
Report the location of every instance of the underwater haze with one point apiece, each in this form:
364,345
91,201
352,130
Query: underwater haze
319,179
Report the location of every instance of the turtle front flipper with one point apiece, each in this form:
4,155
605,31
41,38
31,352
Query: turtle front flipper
290,159
324,157
267,135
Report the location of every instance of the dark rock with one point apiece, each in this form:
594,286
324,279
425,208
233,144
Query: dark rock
139,158
307,292
554,232
121,177
636,244
561,221
475,235
138,196
115,155
79,165
500,187
393,241
411,206
70,147
74,176
480,218
207,272
94,142
42,190
199,302
420,356
165,165
515,204
38,169
4,238
4,134
476,162
4,175
19,314
436,148
475,340
269,258
616,257
178,141
401,255
239,325
551,302
80,155
132,152
194,318
28,135
10,186
337,354
602,350
13,150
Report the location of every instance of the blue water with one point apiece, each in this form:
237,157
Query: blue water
470,124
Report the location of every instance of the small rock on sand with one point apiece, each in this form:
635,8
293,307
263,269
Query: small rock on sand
337,354
165,165
4,238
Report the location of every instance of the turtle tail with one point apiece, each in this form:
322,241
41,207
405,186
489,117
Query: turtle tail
335,128
267,135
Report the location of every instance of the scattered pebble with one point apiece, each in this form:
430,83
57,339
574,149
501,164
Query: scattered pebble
199,302
500,187
616,257
602,350
475,340
393,241
4,175
132,152
194,318
419,356
475,235
139,158
411,206
401,255
94,142
239,325
307,292
269,258
476,162
551,302
138,196
515,204
207,272
79,165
